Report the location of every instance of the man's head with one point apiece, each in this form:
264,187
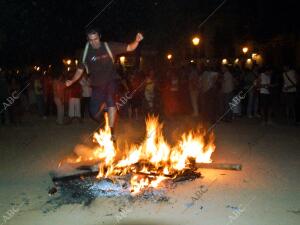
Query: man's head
93,37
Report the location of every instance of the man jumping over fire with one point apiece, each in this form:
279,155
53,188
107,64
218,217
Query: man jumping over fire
98,60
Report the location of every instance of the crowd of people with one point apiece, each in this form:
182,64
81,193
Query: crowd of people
229,92
205,92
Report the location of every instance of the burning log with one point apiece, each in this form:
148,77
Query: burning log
155,174
93,172
219,166
187,175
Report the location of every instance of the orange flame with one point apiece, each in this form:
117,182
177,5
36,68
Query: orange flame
155,155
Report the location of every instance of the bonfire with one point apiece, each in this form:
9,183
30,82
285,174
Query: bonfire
151,161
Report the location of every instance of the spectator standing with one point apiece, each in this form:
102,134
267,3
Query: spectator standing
290,92
85,83
58,93
39,95
194,89
150,92
136,99
265,95
16,106
74,102
250,89
208,95
227,93
48,93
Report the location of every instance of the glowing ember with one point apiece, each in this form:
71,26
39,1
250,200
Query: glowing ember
151,161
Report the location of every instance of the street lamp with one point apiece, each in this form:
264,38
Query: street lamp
245,50
122,60
169,56
196,41
224,61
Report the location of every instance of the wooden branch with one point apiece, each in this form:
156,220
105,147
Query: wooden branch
219,166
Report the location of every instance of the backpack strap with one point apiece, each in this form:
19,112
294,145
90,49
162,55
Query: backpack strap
86,51
109,52
84,56
290,80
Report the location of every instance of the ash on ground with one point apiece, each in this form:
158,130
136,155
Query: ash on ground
85,191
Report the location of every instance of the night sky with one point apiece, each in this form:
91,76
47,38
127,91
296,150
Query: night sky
45,31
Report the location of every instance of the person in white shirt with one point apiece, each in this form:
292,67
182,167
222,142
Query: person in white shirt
194,89
85,94
289,89
265,94
227,92
209,95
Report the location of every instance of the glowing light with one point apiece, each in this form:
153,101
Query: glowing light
76,62
245,50
169,56
196,41
192,61
249,63
122,60
236,61
224,61
69,61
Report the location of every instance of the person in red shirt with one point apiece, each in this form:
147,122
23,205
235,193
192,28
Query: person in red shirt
59,94
74,102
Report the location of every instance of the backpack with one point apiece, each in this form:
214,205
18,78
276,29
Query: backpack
86,51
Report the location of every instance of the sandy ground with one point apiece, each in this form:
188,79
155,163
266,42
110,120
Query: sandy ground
265,192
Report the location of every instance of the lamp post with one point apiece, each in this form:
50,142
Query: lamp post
195,43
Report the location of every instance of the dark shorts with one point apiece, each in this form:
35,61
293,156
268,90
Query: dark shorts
102,95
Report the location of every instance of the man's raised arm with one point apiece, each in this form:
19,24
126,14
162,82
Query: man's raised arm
132,46
76,77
